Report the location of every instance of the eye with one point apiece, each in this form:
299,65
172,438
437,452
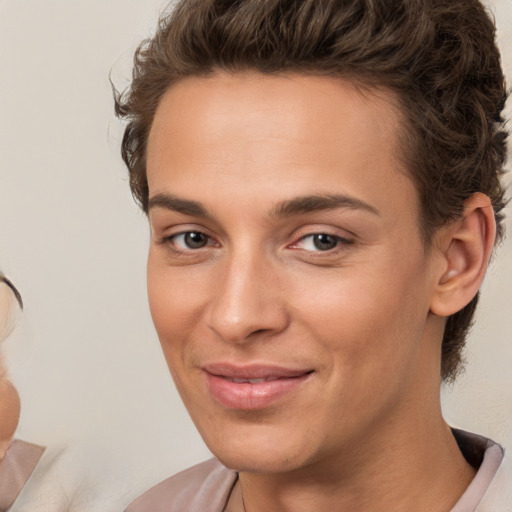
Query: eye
321,242
190,240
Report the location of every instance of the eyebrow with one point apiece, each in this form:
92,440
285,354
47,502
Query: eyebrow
296,206
315,203
177,204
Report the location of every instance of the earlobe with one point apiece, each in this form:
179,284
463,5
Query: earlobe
465,249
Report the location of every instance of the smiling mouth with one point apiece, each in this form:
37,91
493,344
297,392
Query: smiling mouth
251,381
252,387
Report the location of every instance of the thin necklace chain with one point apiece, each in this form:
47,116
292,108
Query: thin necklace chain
241,495
243,502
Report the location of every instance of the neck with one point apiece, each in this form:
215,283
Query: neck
419,468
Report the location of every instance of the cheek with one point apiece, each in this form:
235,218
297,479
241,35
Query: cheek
171,323
372,316
175,297
171,310
177,301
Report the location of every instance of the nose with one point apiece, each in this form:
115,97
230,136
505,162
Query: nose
248,302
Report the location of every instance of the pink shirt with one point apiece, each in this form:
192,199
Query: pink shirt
207,487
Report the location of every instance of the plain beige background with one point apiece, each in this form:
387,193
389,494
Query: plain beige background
84,356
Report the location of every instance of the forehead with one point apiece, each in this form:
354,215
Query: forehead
277,136
301,106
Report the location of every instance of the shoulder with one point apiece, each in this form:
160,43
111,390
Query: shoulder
498,497
491,489
206,486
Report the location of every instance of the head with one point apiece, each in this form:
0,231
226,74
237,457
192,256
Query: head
322,180
10,302
437,58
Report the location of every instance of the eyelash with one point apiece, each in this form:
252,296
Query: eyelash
171,241
340,242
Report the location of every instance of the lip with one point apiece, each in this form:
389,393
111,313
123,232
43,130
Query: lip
251,387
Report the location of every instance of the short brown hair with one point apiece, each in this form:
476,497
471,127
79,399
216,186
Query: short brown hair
438,56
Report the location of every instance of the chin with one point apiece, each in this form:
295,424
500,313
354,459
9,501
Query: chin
258,449
264,462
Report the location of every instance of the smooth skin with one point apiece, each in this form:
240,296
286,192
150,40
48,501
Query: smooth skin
285,231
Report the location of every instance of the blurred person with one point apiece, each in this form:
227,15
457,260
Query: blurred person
34,478
17,458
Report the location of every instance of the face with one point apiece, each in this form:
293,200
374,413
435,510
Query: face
287,278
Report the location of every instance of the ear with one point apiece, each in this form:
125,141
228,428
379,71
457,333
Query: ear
465,248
